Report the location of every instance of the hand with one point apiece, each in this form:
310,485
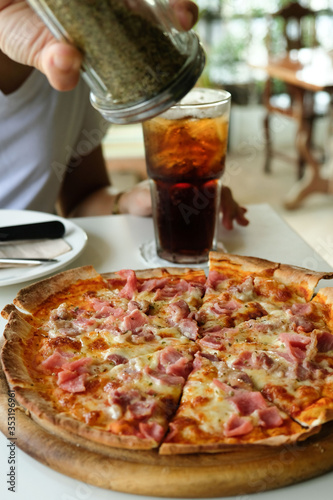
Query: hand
136,201
25,39
231,211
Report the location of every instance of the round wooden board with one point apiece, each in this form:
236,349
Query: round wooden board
235,472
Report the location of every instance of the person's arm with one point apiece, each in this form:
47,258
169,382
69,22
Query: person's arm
12,74
86,191
87,177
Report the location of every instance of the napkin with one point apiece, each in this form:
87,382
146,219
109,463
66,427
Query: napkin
33,249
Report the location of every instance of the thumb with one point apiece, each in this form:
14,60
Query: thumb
61,64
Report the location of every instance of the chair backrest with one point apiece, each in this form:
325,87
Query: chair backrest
298,25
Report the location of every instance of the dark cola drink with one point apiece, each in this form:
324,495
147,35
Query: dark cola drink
185,158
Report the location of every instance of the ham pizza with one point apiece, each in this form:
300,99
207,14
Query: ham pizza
172,360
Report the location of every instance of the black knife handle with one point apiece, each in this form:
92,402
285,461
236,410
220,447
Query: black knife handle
36,230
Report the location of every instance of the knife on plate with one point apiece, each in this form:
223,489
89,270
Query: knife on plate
33,231
24,261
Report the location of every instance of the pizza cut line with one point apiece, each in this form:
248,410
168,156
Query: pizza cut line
172,360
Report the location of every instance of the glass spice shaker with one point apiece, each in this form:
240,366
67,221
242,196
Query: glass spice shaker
137,63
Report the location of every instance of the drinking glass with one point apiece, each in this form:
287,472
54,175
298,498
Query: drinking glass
185,150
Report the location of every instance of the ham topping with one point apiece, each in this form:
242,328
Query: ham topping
142,409
142,305
164,378
245,288
302,324
214,278
189,328
104,309
152,430
180,315
172,289
137,407
117,359
153,284
70,382
237,426
303,309
177,311
324,342
213,342
130,401
70,322
296,345
142,334
131,286
56,360
270,417
173,368
248,359
229,391
200,357
247,402
224,307
174,363
133,320
301,317
73,375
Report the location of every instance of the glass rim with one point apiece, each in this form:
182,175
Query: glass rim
222,97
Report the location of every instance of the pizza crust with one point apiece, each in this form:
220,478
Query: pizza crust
285,273
280,440
324,295
318,413
32,296
291,275
241,264
16,332
163,272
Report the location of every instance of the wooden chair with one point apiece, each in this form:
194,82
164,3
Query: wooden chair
298,25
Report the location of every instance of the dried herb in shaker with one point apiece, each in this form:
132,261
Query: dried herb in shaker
132,56
128,55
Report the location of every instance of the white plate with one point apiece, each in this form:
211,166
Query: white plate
74,236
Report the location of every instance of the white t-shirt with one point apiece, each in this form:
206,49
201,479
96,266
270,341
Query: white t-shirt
41,129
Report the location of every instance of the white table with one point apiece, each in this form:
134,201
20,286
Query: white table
113,244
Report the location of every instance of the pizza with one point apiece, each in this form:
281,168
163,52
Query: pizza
172,360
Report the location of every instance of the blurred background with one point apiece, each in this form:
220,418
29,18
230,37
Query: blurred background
239,37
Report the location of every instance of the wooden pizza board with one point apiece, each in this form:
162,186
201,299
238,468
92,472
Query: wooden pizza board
239,471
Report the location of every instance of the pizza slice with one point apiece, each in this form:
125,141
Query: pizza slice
288,372
221,408
288,355
144,394
248,279
75,391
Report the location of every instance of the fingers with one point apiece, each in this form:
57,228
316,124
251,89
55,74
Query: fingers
231,211
186,11
137,201
240,217
227,219
61,64
229,216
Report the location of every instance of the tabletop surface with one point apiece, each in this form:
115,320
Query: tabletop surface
113,244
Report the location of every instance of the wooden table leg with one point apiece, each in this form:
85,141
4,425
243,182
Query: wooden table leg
312,181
